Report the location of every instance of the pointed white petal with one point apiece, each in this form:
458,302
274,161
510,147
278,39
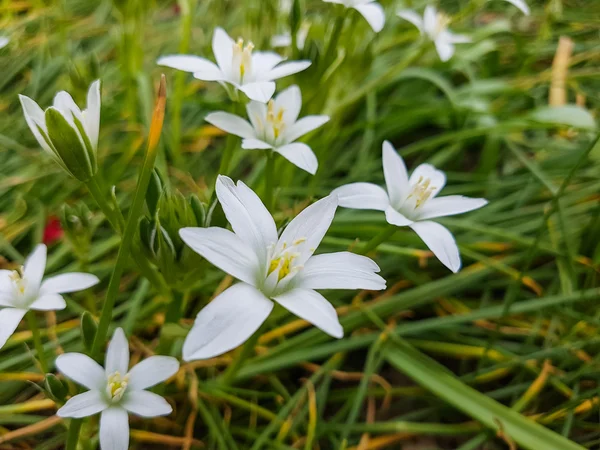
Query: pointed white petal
338,2
146,404
263,62
290,100
34,116
373,14
68,282
288,68
304,126
4,41
9,321
343,270
301,155
202,68
437,177
226,322
411,17
48,302
35,265
117,354
309,226
455,38
314,308
440,241
247,214
521,5
222,46
225,250
396,218
449,206
231,124
430,20
83,370
362,196
114,429
257,113
396,176
92,114
255,144
151,371
6,282
64,103
84,405
260,91
444,48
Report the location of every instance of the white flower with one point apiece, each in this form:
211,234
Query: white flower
115,390
250,72
371,10
270,269
412,202
275,126
68,134
434,25
23,290
4,41
521,5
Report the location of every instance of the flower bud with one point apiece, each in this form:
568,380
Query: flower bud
67,134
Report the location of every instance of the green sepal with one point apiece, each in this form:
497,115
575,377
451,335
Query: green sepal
88,329
56,388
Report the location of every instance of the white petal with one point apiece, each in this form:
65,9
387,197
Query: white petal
310,225
114,429
202,68
257,113
290,100
521,5
314,308
34,116
281,40
146,404
396,176
305,125
260,91
35,265
374,14
449,206
411,17
7,300
444,48
255,144
247,214
301,155
289,68
440,241
362,196
83,405
231,124
65,104
226,322
263,62
437,177
225,250
83,370
92,114
117,354
4,41
396,218
48,302
9,321
457,38
343,270
68,282
430,19
222,46
151,371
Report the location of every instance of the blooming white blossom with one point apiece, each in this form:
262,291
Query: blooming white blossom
274,126
4,41
434,25
412,202
68,134
250,72
521,5
371,10
115,391
22,290
270,269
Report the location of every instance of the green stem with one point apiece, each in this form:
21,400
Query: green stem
333,40
112,216
227,154
174,313
269,184
246,352
37,341
378,239
73,434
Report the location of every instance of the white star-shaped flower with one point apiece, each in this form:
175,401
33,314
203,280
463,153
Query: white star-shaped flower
412,202
371,10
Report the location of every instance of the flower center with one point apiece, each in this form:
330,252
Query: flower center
421,191
19,281
242,58
275,119
283,261
441,23
116,386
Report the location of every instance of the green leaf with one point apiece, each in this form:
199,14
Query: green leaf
568,115
88,329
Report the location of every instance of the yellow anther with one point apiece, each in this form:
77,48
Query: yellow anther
422,191
117,385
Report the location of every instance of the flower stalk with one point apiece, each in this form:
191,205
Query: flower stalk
269,182
37,342
383,236
132,220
